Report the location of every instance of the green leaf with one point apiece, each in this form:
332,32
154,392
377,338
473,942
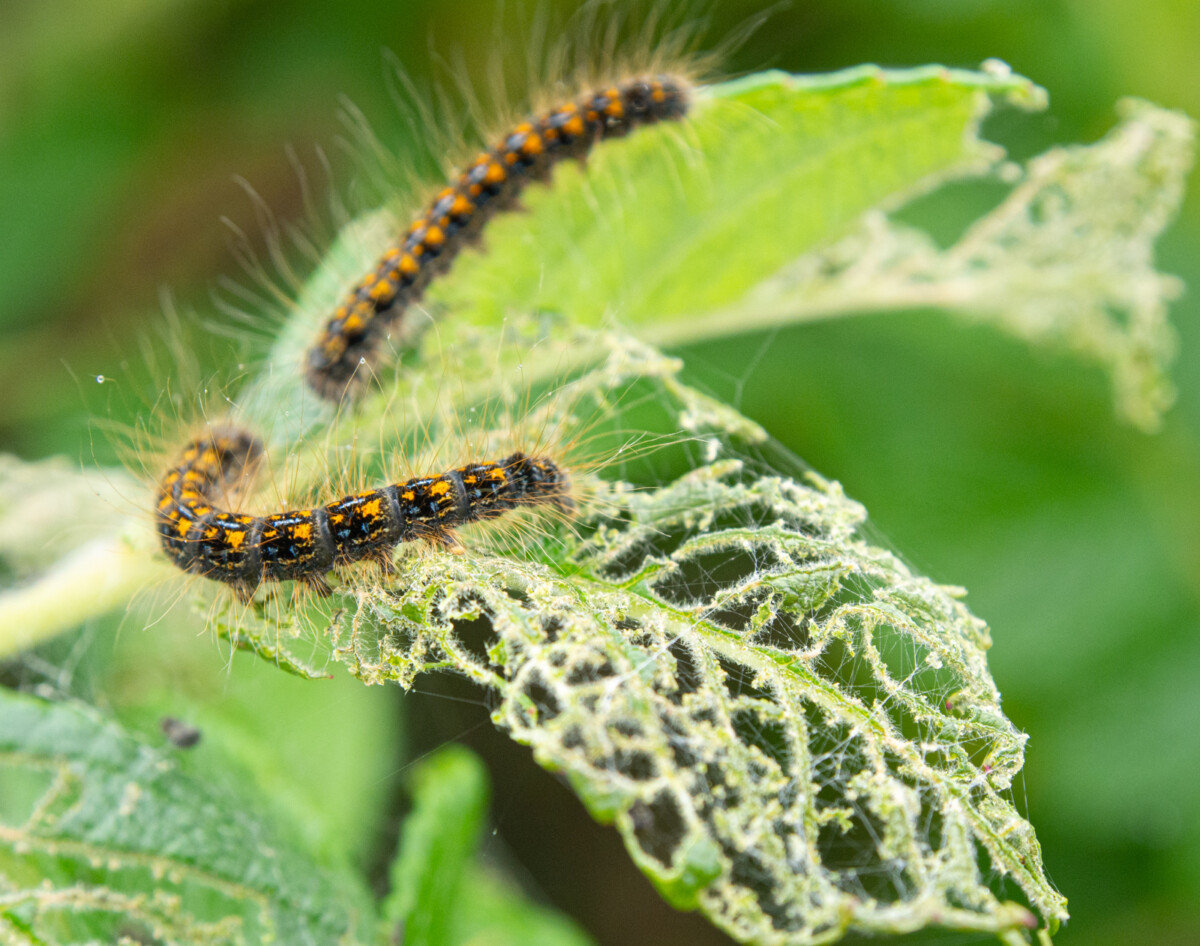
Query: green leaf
437,843
107,835
492,910
269,726
439,895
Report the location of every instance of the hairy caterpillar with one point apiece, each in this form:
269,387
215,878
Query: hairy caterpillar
304,544
492,182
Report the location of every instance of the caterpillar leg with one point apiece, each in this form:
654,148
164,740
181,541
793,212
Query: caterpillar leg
244,590
318,585
444,540
383,558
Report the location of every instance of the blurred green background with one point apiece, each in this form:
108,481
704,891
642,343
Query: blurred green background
986,464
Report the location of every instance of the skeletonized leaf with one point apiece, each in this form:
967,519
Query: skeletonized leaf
1066,259
793,732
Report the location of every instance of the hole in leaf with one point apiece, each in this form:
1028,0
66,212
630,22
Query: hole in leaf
551,628
738,681
688,678
476,636
590,670
543,699
769,735
736,613
750,872
851,853
658,826
783,632
635,764
699,577
850,671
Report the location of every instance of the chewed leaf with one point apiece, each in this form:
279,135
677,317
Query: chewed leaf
678,221
792,732
103,835
1067,258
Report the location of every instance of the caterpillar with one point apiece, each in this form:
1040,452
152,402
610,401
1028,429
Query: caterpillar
492,182
243,550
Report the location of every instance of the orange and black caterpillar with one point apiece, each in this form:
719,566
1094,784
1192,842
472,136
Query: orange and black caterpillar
304,544
492,182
